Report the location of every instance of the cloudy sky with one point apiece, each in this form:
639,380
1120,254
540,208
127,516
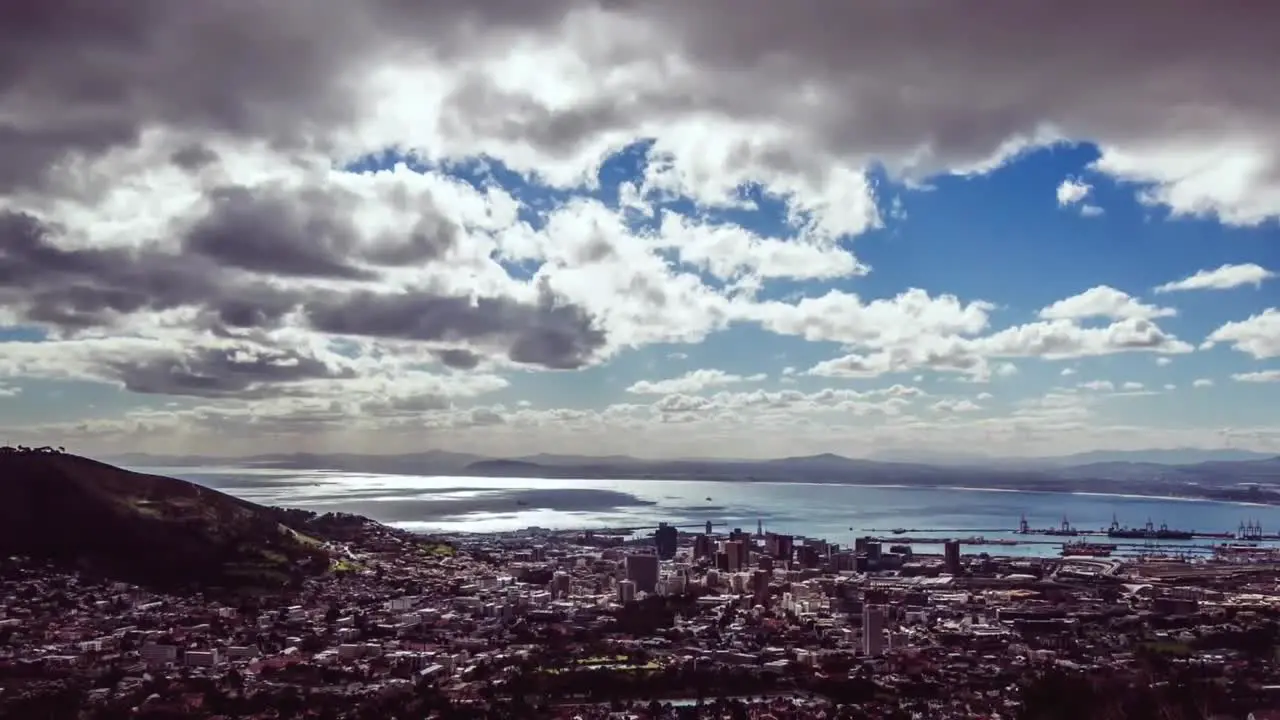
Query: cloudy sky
714,228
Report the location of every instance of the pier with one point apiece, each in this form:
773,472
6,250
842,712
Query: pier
1148,532
1145,540
1004,542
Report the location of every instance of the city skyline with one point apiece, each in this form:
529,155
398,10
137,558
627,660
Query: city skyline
604,228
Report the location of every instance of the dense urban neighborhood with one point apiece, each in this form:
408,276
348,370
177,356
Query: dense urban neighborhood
593,625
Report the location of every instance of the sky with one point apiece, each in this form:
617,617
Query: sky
726,228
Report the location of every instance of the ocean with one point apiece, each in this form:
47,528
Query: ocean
837,513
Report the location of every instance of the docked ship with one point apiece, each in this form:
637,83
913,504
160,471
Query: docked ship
979,540
1147,532
1088,549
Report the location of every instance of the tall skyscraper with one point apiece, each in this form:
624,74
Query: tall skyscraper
666,539
703,546
736,551
952,556
760,587
626,591
785,543
643,571
807,556
872,630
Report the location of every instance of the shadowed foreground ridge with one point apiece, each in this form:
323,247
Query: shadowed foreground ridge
147,529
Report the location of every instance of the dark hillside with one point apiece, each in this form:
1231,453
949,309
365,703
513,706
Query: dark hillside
148,529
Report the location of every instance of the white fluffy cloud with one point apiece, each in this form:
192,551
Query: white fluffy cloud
1103,302
1073,192
1261,376
1222,278
1258,336
691,382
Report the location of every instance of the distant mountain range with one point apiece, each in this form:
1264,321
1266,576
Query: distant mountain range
1217,474
1166,456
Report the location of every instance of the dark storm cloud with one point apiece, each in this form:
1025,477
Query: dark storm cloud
307,233
84,76
80,288
81,76
310,232
430,238
458,359
75,289
549,332
193,157
961,81
245,371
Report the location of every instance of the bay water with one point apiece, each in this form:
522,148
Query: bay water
837,513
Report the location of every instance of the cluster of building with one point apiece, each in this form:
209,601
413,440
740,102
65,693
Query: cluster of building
780,625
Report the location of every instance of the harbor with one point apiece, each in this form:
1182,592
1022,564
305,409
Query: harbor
1248,530
1248,541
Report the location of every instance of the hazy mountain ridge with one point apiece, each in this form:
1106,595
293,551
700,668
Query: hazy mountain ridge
1213,479
436,461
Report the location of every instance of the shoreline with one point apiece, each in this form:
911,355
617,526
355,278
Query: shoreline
1268,499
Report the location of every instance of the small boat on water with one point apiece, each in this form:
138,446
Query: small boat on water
899,531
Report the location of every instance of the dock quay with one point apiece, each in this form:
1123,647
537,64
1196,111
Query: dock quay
1149,531
1124,538
910,540
1008,542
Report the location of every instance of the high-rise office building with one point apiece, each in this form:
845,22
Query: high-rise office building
643,571
626,591
785,544
703,546
736,552
872,630
873,551
807,556
666,538
760,587
952,556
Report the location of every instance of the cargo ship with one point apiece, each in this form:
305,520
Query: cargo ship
979,540
1088,549
1148,532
